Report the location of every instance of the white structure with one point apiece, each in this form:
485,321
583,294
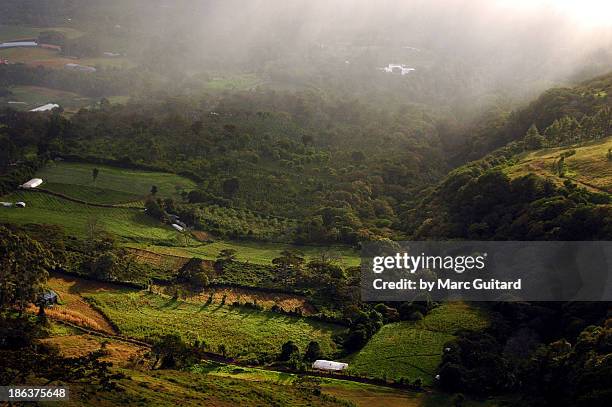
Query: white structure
81,68
33,183
18,44
6,204
329,365
178,227
45,108
396,68
20,204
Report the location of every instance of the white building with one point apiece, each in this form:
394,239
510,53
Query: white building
329,365
33,183
45,108
397,68
178,227
18,44
81,68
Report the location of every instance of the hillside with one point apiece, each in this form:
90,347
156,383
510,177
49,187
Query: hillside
585,164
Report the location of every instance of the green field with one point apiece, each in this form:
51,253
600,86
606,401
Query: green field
414,349
113,185
75,217
246,333
34,96
233,82
16,32
253,252
589,167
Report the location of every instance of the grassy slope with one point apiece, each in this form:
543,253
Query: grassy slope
135,183
74,217
589,166
414,349
244,332
257,253
34,96
16,32
251,385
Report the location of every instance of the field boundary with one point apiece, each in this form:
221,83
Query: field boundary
221,359
80,201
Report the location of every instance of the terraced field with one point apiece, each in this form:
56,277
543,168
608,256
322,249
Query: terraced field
257,253
79,219
246,333
589,166
414,349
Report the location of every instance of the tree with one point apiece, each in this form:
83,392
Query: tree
231,186
153,209
313,352
94,175
169,351
24,265
154,190
533,139
289,350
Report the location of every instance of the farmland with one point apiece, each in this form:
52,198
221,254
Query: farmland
30,97
245,333
414,349
79,219
17,32
589,166
252,252
113,185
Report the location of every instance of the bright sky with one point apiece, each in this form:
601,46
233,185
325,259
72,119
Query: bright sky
594,13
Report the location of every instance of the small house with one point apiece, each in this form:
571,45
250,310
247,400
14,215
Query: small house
6,204
48,298
329,365
20,204
33,183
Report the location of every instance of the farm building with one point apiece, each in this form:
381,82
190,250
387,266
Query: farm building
48,298
33,183
80,68
6,204
19,44
45,108
396,68
20,204
178,227
329,365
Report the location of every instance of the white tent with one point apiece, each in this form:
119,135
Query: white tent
45,108
33,183
329,365
177,227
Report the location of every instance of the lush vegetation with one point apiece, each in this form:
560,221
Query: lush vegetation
410,350
82,220
244,333
111,184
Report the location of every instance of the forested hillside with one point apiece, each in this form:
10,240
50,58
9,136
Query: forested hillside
494,198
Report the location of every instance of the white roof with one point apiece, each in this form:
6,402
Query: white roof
45,108
33,183
177,227
329,365
18,44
